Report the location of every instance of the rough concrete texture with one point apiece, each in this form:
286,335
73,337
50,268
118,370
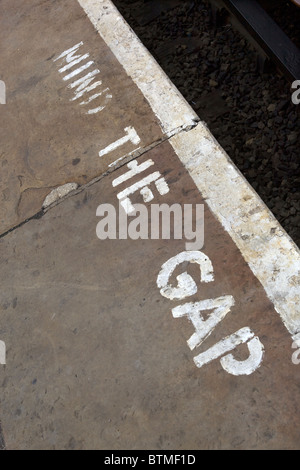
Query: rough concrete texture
96,356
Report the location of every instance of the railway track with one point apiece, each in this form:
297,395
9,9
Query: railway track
233,86
267,33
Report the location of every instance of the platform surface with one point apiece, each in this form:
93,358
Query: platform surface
122,343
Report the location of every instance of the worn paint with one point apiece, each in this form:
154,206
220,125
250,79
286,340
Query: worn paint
230,343
270,253
75,62
78,71
250,365
82,84
186,284
134,169
142,185
220,306
68,54
131,136
2,92
85,88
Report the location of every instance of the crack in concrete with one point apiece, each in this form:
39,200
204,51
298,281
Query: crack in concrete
119,164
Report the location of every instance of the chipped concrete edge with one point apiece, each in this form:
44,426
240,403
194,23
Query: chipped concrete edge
270,253
59,193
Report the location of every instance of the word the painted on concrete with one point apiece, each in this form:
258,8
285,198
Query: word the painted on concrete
296,354
130,136
166,222
218,308
141,186
296,94
2,92
82,80
2,353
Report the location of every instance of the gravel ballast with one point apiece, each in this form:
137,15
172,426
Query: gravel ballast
250,113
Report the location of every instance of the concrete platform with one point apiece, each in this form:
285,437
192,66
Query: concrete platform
122,343
49,136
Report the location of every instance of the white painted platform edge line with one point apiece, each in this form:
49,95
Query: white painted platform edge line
270,253
167,103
